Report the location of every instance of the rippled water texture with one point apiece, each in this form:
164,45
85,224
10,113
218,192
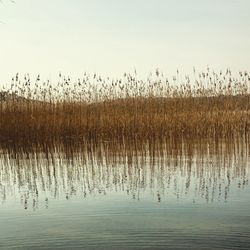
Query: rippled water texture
198,202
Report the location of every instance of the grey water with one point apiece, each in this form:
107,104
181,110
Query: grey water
60,203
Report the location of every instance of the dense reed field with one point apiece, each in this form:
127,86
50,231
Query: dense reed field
207,106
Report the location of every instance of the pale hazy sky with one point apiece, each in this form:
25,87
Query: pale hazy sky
114,36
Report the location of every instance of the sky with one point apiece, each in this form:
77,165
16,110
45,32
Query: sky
115,36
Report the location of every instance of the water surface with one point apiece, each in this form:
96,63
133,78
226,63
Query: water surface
179,203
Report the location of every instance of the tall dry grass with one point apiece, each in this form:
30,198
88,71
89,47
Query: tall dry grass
127,112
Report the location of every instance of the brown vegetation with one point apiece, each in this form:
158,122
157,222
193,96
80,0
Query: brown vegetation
212,107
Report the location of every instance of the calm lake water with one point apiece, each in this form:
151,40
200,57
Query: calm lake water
185,203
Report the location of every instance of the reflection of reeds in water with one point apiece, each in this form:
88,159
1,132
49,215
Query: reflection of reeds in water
40,177
207,106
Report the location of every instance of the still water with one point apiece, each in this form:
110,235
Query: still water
175,203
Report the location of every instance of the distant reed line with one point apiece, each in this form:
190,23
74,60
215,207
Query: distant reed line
125,113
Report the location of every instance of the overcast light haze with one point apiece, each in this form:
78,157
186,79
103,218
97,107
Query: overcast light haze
114,36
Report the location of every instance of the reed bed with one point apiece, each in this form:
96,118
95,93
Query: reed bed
125,114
